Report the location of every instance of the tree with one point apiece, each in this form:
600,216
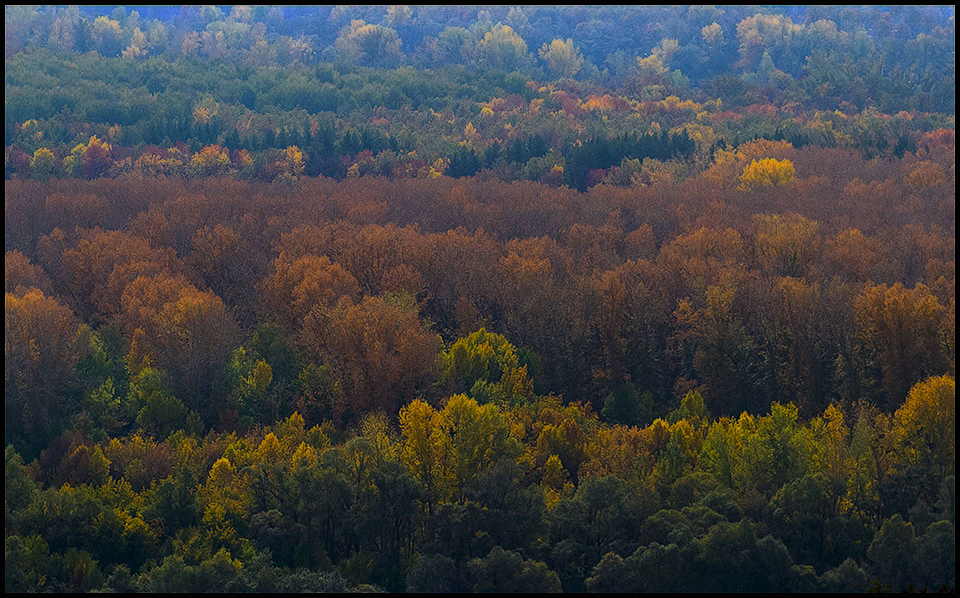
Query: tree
562,58
106,34
296,288
472,438
137,48
786,245
43,343
724,358
712,34
506,571
463,163
43,164
212,160
625,406
19,490
369,45
425,575
197,337
420,425
768,172
89,160
502,48
455,45
156,410
937,556
102,265
901,327
380,351
893,552
847,577
481,356
924,430
19,274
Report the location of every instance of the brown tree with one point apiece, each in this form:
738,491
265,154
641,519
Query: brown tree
381,352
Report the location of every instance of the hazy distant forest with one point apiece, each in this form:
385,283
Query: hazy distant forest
479,299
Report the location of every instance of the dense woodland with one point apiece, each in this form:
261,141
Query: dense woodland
446,299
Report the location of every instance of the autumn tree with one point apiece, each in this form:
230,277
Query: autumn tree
901,327
20,273
89,160
768,172
380,351
197,336
786,245
295,289
924,430
562,58
43,343
503,48
369,45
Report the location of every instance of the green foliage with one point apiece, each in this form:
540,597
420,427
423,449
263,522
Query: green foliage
628,407
480,357
156,410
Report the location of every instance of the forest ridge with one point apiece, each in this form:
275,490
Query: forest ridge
487,299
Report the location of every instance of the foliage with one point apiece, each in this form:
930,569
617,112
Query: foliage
378,298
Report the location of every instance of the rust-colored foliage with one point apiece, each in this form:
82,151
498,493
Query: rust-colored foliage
380,350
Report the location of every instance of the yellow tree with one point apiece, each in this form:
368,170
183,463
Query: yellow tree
563,59
291,164
473,438
502,48
420,429
212,160
768,172
369,45
197,337
43,164
924,429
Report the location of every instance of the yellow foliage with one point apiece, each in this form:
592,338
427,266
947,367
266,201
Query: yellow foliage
553,473
563,59
712,33
154,165
42,164
262,376
438,167
204,111
211,160
292,164
221,474
761,148
305,455
269,450
925,427
768,172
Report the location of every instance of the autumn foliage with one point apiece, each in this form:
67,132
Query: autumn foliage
480,299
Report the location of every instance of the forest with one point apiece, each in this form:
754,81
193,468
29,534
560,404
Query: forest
479,299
